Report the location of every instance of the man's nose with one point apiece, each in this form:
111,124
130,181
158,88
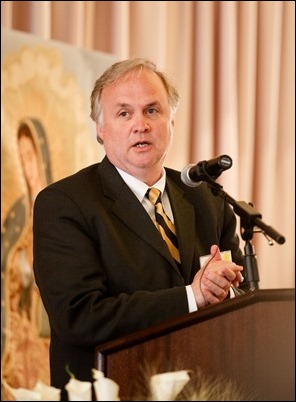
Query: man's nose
141,125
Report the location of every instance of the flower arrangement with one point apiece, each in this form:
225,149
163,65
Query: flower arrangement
182,385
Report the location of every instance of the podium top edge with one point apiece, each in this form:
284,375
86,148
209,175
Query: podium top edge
227,306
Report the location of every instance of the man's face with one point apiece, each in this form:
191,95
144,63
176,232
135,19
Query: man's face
137,124
29,161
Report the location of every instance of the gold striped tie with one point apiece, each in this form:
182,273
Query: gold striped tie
164,224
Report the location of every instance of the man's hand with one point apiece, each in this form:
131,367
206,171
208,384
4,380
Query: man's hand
212,282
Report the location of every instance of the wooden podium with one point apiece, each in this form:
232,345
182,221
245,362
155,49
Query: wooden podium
249,340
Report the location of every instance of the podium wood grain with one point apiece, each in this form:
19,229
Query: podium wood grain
249,340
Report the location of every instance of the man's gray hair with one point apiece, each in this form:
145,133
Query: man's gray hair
122,68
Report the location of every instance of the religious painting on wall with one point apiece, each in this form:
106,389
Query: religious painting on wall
46,134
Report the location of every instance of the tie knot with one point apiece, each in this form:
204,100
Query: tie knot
154,195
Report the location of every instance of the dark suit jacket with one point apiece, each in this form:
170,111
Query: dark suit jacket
101,266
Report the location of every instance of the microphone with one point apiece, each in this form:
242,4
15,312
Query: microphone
192,175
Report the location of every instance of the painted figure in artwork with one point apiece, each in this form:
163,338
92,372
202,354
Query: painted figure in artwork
25,328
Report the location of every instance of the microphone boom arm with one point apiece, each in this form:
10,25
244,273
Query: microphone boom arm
249,219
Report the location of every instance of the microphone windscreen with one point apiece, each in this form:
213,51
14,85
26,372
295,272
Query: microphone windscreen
186,178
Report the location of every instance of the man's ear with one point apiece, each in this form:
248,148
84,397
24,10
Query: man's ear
99,134
173,122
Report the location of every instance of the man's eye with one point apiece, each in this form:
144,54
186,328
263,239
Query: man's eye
151,111
123,114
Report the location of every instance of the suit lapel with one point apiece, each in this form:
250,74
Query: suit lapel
128,208
185,226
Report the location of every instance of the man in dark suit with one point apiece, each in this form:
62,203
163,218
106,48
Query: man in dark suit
100,263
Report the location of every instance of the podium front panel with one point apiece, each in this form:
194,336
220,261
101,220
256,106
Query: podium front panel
249,340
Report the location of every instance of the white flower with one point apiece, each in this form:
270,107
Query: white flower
78,390
47,393
105,388
166,386
96,374
41,392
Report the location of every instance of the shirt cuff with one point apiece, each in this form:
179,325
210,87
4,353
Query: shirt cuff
231,293
191,299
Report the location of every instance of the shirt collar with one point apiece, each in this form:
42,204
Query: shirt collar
140,188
